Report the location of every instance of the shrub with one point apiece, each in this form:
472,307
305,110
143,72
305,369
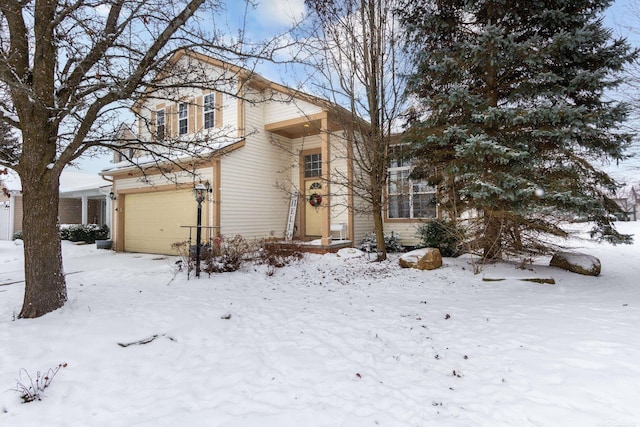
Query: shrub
391,243
446,236
219,256
88,233
30,389
277,255
227,254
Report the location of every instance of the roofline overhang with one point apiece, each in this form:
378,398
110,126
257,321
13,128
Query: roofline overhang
155,167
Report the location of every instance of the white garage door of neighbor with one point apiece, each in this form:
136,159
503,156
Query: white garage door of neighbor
152,221
5,233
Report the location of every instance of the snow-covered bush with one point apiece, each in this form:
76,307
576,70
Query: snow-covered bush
218,256
277,255
227,254
369,243
88,233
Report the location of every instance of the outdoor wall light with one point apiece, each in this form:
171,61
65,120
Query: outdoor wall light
112,195
200,192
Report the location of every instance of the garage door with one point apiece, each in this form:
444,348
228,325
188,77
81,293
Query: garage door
5,233
152,220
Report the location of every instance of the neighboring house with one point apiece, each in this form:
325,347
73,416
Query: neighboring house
268,144
84,199
629,203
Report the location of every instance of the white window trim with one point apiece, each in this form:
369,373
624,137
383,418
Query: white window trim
183,119
411,193
161,124
210,110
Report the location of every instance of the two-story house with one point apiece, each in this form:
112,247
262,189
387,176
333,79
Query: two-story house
267,143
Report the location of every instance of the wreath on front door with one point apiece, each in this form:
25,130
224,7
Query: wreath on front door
315,200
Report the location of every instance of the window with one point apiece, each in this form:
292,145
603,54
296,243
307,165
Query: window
209,111
183,118
123,155
160,124
407,198
312,165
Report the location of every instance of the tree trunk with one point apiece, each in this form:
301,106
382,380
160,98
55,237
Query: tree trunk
491,242
381,248
45,288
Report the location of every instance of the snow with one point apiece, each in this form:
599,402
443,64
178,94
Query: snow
415,255
69,181
327,341
153,159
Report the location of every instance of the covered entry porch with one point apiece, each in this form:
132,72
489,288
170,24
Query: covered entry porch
319,182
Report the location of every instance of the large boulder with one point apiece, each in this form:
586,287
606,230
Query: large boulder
422,259
576,262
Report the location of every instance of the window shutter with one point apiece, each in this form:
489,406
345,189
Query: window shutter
191,116
198,114
174,120
218,109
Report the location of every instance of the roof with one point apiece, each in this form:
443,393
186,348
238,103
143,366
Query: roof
150,161
70,182
250,78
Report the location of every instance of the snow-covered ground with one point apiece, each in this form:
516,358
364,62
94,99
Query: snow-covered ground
329,341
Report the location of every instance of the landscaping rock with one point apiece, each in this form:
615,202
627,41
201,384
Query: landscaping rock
576,262
422,259
350,253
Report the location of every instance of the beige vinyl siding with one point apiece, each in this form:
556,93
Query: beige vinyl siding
363,219
157,180
275,111
406,230
251,203
339,191
229,115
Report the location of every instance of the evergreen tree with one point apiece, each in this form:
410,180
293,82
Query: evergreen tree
512,117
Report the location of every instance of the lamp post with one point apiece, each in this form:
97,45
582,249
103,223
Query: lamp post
200,192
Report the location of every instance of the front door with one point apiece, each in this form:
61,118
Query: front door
313,198
313,194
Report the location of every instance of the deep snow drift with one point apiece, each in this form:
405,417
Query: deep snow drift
328,341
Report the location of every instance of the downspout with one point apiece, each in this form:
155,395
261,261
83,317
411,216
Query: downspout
109,208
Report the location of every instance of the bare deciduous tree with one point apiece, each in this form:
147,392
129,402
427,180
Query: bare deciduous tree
67,70
359,66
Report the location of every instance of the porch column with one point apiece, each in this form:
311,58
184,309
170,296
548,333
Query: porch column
107,212
12,215
326,176
85,209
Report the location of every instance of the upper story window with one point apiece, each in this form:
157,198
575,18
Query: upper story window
160,124
407,198
312,165
183,118
209,111
126,154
